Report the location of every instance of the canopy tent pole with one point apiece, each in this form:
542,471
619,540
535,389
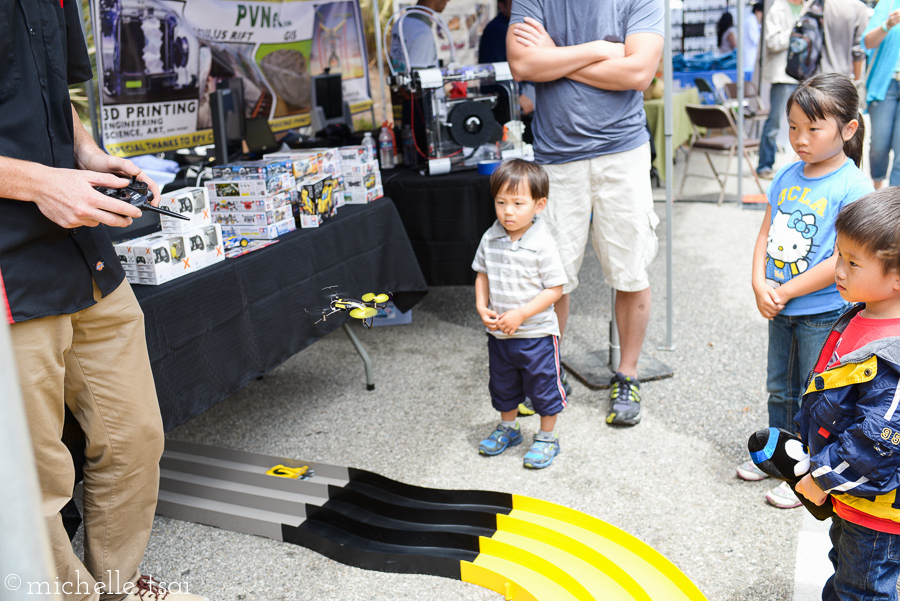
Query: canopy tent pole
376,11
740,98
668,131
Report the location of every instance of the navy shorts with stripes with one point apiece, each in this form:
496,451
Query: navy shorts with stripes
521,367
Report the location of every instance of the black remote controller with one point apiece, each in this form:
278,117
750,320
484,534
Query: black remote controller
137,193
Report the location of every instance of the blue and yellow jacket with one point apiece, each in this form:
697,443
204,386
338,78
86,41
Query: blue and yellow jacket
849,418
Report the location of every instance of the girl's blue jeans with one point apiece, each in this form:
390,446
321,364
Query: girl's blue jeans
885,134
794,345
866,563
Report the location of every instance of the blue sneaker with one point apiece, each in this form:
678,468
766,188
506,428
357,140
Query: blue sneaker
541,453
500,439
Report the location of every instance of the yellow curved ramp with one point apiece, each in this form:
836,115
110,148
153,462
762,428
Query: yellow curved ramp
549,552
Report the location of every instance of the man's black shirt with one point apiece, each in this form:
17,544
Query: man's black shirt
45,269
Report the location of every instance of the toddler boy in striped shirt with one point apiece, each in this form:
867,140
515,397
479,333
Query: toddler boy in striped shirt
520,276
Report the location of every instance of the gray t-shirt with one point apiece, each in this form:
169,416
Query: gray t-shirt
420,43
574,121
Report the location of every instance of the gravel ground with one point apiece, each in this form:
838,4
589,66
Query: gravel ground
669,481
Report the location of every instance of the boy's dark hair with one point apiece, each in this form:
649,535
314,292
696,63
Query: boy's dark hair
873,222
512,172
832,95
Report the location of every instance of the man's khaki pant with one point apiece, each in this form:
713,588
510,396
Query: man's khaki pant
95,362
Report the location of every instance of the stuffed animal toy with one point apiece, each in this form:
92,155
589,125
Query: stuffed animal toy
783,456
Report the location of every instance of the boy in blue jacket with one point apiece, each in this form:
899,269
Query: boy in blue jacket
849,414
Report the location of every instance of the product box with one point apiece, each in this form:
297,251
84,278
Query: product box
255,189
162,257
305,163
190,202
266,169
357,168
369,181
391,316
315,202
205,245
261,232
359,154
247,205
125,252
249,218
361,197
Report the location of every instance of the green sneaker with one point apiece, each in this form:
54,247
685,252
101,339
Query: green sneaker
500,439
526,408
624,401
541,453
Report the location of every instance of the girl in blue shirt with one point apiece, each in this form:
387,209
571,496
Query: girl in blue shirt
794,261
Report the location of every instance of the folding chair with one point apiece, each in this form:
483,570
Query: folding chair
719,81
712,117
707,92
755,110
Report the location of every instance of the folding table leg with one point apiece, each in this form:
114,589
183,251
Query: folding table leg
370,380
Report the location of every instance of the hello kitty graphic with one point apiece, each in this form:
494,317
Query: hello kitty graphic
789,245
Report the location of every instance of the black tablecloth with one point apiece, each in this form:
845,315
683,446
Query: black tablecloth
211,333
445,217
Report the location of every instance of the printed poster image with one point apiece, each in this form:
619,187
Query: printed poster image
159,60
466,20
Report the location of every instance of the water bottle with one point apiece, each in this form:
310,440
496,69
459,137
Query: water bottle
386,147
369,143
409,146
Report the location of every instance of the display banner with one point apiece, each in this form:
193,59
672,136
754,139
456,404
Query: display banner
158,61
465,19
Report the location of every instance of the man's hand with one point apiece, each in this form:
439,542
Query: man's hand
525,104
489,318
68,199
767,301
510,321
104,163
532,34
809,489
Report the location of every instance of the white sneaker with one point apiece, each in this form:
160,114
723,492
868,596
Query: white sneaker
783,497
148,589
749,471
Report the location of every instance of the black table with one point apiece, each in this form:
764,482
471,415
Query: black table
211,333
445,217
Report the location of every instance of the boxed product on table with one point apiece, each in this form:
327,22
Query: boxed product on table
266,169
256,189
191,202
305,163
270,203
315,201
253,218
359,168
361,197
205,245
358,154
161,257
369,181
260,232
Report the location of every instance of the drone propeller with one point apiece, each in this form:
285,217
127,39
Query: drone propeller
363,312
371,296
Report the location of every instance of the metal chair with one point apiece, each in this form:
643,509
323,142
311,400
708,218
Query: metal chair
707,91
719,81
755,109
716,117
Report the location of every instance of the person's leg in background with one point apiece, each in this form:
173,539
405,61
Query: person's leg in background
881,118
768,144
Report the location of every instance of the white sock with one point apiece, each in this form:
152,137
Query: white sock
548,436
513,424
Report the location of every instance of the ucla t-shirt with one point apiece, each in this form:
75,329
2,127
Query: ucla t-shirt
801,234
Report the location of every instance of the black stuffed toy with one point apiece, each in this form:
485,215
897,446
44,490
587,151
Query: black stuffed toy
782,455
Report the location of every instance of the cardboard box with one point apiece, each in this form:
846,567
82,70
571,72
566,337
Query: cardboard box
261,232
361,197
162,257
205,246
190,202
266,169
358,168
369,181
304,163
315,201
243,205
251,189
359,154
250,218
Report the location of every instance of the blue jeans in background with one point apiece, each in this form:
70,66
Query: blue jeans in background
794,345
768,144
885,134
866,563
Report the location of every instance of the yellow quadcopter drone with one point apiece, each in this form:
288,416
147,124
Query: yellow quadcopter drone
366,308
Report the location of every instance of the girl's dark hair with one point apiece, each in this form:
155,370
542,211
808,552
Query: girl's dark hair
873,222
832,95
512,172
726,21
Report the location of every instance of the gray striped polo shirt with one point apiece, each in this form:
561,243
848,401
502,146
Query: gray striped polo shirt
517,272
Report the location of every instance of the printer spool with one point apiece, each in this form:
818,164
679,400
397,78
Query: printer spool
472,124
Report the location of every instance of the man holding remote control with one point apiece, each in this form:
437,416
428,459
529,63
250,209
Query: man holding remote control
77,329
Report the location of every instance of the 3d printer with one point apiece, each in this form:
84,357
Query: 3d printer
463,108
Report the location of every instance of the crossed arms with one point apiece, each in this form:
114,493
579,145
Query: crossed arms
534,56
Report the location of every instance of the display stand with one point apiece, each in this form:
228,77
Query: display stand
595,369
